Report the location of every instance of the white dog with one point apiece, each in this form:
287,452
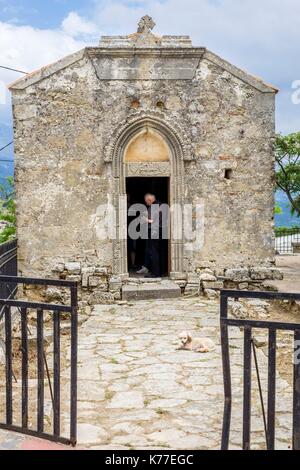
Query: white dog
201,345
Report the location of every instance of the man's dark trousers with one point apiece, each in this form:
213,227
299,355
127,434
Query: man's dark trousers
152,261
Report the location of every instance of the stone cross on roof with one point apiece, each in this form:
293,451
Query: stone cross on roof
146,24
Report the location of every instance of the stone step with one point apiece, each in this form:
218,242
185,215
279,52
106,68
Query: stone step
151,290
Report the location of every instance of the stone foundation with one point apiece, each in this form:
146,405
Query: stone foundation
98,286
208,283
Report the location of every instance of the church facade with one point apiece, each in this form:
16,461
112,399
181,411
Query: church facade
155,113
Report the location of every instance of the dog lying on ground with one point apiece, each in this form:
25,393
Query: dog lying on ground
201,345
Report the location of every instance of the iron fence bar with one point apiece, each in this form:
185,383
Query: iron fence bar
238,294
56,370
11,296
74,346
247,388
296,398
35,281
226,376
31,432
36,305
40,369
8,366
24,335
260,390
49,380
9,256
271,389
262,324
8,266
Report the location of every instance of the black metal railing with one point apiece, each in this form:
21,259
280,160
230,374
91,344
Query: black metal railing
247,326
286,239
8,267
32,420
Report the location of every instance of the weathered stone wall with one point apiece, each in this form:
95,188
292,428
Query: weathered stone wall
64,123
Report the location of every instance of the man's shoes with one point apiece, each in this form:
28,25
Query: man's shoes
151,276
144,270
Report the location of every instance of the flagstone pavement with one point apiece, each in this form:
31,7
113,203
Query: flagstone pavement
136,391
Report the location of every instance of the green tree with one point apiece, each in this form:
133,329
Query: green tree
287,152
7,210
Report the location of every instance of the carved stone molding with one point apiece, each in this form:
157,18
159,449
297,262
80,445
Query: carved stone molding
174,133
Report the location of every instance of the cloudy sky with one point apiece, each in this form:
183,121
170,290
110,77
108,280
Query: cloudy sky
261,36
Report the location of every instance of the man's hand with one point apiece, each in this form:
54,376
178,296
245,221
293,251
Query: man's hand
145,220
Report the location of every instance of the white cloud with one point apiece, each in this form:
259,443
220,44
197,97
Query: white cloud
27,48
75,25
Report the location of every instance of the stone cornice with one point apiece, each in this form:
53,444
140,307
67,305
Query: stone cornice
168,52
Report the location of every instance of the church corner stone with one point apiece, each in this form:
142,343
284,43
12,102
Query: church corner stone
73,121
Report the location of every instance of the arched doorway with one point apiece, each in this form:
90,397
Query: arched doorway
148,148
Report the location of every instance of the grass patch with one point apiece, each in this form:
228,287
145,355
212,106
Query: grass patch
108,394
161,411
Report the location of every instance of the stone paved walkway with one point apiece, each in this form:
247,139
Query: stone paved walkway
290,266
137,392
15,441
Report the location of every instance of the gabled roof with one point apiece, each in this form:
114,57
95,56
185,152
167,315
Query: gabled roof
143,43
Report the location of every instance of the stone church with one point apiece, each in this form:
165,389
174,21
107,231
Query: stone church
142,113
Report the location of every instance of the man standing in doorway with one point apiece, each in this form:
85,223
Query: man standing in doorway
153,219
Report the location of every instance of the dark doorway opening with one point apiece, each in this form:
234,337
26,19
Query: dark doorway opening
136,188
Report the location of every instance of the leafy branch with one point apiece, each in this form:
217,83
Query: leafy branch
287,153
7,211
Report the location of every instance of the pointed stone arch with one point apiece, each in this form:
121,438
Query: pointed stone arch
120,168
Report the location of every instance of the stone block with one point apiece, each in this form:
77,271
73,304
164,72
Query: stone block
98,297
243,286
73,277
93,281
237,275
277,275
263,273
103,287
163,290
210,294
54,294
207,277
86,272
230,285
101,270
117,295
217,285
25,111
115,284
59,268
73,268
191,289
